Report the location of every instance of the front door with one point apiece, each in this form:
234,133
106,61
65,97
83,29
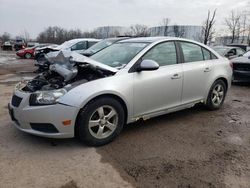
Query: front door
158,90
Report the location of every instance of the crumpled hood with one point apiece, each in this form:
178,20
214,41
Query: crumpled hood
66,56
53,47
241,59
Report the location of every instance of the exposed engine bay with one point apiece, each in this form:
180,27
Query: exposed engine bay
67,70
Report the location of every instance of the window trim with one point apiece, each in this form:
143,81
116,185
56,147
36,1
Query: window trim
178,58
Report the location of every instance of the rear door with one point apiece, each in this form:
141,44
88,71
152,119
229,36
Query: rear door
195,72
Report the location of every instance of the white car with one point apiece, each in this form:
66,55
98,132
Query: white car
132,79
78,45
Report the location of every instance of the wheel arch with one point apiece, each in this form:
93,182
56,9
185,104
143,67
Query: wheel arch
225,80
116,97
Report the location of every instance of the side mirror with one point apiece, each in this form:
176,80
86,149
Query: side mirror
240,55
148,65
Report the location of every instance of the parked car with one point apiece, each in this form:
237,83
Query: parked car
130,80
229,52
19,44
29,52
244,47
241,68
77,45
101,45
7,45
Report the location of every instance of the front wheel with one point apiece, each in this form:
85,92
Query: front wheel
100,121
216,95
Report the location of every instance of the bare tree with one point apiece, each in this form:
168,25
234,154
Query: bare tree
165,24
5,36
178,31
58,35
207,28
139,30
26,36
233,24
244,27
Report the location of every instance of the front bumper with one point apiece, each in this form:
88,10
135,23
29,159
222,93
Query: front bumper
20,55
29,118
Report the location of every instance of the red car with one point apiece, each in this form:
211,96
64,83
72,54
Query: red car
26,53
29,52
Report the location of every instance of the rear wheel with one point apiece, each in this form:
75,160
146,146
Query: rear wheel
100,121
216,95
27,55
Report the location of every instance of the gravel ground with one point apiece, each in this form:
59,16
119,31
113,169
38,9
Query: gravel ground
187,149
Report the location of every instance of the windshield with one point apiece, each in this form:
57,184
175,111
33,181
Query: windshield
119,54
222,51
98,46
247,54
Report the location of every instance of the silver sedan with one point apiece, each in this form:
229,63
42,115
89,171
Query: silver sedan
133,79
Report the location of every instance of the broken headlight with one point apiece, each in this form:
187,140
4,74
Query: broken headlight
46,97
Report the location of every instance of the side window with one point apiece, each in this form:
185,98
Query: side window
232,52
240,51
79,46
91,43
163,54
206,54
192,52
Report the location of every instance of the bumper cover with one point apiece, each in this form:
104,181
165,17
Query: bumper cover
24,116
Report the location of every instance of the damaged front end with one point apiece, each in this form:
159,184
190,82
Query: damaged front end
67,70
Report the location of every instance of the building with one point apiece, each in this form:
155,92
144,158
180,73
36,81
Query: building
184,31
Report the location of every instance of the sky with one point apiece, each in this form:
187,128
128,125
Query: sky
33,16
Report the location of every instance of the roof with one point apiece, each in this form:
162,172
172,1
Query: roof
84,39
151,39
225,47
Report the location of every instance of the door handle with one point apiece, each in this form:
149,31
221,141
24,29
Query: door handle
175,76
207,69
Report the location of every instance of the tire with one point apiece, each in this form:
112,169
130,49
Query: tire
216,96
27,55
96,125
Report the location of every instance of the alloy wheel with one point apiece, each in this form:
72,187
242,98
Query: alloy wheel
218,94
103,122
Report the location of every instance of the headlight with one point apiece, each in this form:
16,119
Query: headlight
46,97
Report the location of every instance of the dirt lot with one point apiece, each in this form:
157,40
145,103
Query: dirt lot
191,148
